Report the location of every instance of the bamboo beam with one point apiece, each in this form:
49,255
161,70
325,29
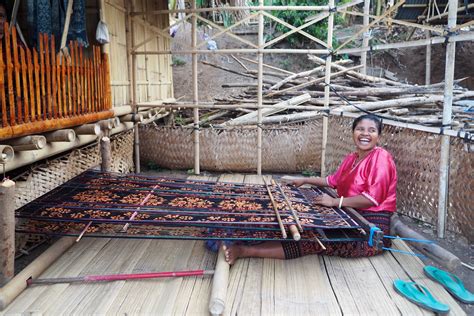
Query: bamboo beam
3,100
268,66
27,143
197,160
443,190
7,231
441,15
220,282
235,8
365,38
64,135
105,154
6,153
327,82
235,51
428,59
88,129
260,87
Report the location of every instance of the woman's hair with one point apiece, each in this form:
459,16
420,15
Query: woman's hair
371,117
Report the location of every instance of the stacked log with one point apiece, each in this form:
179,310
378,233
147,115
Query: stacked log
350,91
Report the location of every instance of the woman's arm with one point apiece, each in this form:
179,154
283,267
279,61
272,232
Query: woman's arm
358,201
317,181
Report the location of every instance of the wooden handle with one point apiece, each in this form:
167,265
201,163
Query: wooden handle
295,233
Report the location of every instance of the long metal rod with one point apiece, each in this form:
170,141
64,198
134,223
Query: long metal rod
275,208
443,192
120,277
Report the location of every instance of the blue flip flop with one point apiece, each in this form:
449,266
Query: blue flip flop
451,283
420,295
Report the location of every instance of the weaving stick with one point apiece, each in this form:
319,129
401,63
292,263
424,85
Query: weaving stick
275,207
293,212
120,277
125,227
83,231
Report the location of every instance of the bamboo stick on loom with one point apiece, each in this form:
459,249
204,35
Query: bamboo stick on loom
54,93
11,97
275,208
48,77
37,84
59,82
44,108
24,80
16,66
120,277
72,86
2,89
31,85
293,230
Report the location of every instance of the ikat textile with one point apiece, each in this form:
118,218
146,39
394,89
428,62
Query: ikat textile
116,205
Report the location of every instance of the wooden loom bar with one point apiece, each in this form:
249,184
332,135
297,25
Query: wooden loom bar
290,207
43,80
16,66
7,233
24,80
275,208
2,89
82,72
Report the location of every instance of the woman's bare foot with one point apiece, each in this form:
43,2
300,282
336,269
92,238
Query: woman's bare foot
232,253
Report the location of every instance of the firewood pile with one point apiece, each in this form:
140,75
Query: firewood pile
300,96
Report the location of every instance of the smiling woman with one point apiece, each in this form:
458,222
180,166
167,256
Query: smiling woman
366,180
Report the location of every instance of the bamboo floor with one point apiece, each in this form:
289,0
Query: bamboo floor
312,285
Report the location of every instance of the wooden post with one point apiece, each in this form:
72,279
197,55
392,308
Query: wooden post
428,59
447,117
7,231
365,40
195,90
327,81
220,283
260,88
105,154
132,65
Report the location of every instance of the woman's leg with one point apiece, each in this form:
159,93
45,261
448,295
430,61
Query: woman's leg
270,249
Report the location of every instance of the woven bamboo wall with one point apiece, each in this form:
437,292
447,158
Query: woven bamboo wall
293,148
416,155
154,72
43,179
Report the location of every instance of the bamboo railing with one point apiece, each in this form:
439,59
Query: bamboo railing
40,91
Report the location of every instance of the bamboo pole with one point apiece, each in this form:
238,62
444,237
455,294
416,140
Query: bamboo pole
236,8
16,65
260,88
6,153
365,39
7,230
428,59
197,167
235,51
105,154
9,76
3,100
63,135
327,81
447,118
66,24
220,282
28,143
133,83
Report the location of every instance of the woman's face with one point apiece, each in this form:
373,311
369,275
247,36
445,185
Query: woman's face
365,135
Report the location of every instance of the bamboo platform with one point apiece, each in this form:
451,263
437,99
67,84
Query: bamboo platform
312,285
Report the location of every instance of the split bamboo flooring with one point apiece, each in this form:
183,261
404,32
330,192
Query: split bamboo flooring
312,285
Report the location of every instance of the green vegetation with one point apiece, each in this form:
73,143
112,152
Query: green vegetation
178,61
297,18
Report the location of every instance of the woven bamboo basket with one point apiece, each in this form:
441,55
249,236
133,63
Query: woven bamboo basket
289,148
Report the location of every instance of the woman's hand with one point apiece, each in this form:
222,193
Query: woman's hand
326,200
298,182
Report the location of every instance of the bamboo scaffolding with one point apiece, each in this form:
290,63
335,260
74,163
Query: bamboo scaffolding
197,166
261,44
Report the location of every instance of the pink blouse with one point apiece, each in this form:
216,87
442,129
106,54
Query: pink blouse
375,177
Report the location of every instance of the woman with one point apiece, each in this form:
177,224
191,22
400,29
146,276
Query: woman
366,180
